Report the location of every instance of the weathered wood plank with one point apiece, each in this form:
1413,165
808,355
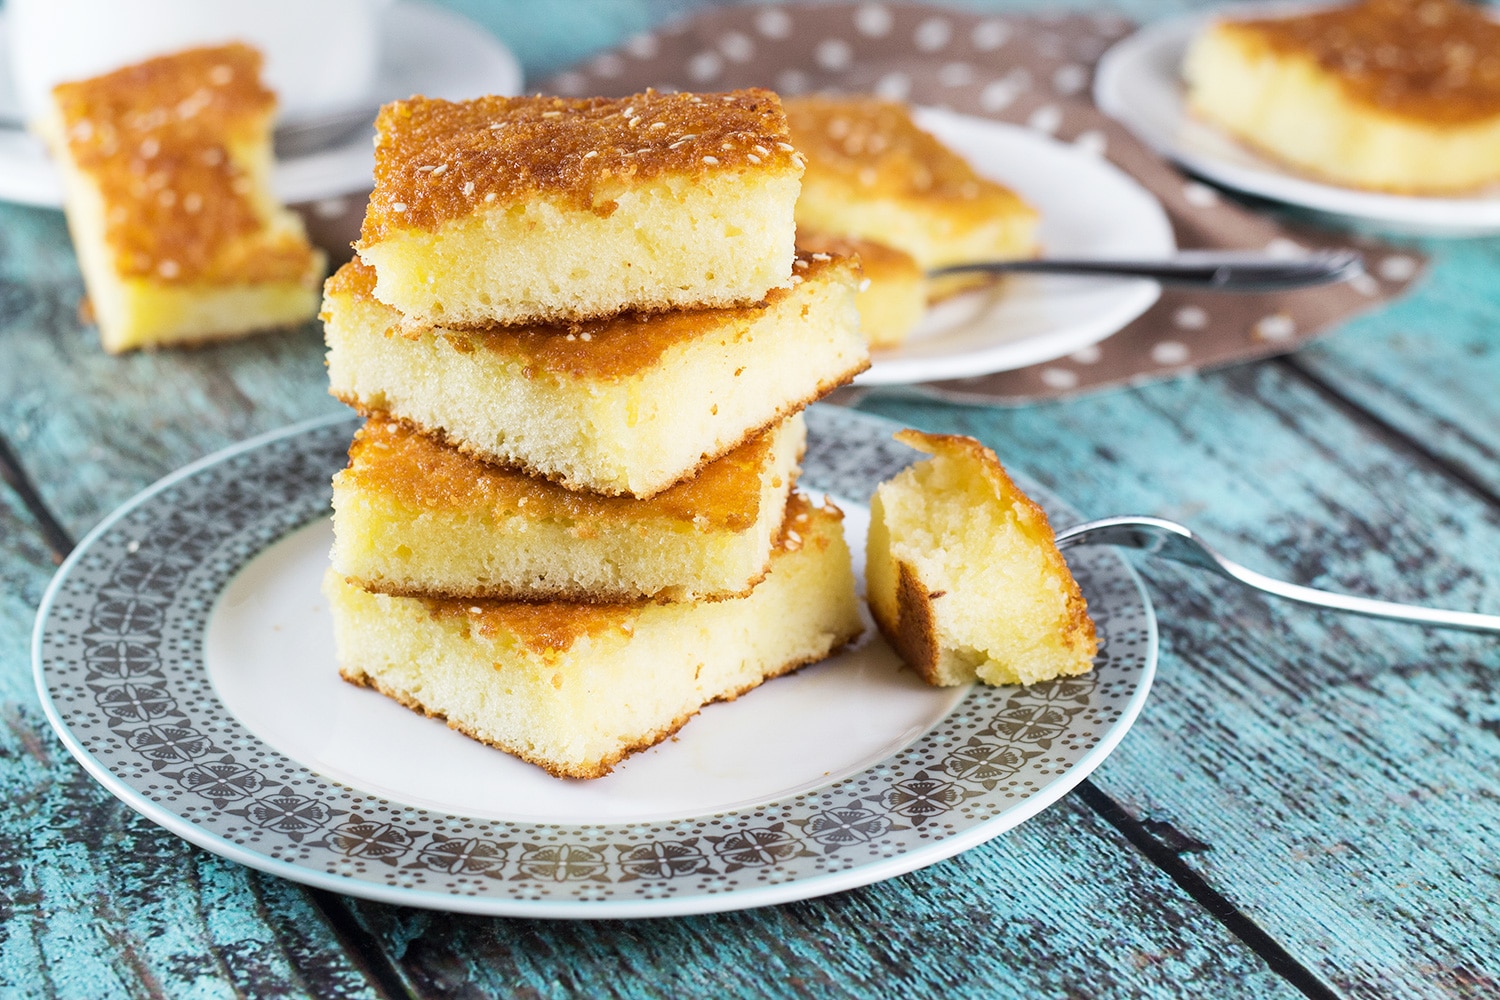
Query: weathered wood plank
97,902
1057,907
1340,770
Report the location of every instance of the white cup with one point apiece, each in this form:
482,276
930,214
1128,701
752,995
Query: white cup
321,56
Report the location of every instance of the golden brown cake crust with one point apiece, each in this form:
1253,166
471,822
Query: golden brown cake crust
439,160
156,138
390,458
874,148
876,260
1437,61
614,348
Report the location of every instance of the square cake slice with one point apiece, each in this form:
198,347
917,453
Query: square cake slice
625,405
963,576
872,173
576,687
166,170
417,518
541,209
1390,95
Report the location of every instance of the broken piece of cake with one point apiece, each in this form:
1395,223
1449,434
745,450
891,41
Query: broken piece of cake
963,576
543,209
628,404
574,688
873,174
892,293
414,517
166,174
1391,95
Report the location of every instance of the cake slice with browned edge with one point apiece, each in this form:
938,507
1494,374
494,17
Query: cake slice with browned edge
166,175
626,405
963,575
872,173
576,687
893,295
1391,95
543,209
414,517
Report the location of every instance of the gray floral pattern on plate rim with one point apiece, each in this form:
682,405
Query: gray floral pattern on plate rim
120,668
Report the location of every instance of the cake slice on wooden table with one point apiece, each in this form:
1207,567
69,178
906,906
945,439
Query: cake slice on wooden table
166,169
1393,95
872,173
963,575
529,209
629,404
576,687
417,518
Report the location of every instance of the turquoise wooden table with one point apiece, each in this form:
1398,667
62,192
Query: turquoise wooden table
1309,804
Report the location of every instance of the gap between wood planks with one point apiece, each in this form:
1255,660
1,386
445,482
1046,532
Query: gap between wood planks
1155,844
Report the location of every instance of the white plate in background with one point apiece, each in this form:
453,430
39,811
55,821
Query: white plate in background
1139,82
1088,208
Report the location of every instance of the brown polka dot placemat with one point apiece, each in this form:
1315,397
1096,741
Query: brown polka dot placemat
1032,71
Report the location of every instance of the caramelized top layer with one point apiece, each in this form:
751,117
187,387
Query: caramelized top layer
613,348
387,457
166,141
1436,60
874,147
439,160
878,261
553,627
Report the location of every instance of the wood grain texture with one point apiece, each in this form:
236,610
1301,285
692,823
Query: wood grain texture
1056,908
1340,771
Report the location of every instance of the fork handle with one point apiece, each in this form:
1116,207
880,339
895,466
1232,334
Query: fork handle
1229,272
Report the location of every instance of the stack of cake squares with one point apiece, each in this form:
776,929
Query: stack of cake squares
582,341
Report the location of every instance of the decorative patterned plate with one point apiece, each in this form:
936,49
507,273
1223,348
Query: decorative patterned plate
183,655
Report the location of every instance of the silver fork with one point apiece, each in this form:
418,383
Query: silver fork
1171,540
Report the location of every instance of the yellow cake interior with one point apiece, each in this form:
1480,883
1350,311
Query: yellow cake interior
892,295
576,687
166,172
418,518
1385,95
963,576
628,405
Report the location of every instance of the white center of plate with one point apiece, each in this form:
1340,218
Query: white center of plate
270,655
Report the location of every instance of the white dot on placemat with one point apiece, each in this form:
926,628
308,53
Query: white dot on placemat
1199,195
1277,326
1398,267
705,66
642,46
1284,249
1169,352
1046,118
1059,378
609,66
873,20
1092,142
330,208
737,47
774,23
956,74
988,36
571,83
834,54
1069,79
1088,355
1001,94
791,81
893,87
1191,317
1364,284
932,34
